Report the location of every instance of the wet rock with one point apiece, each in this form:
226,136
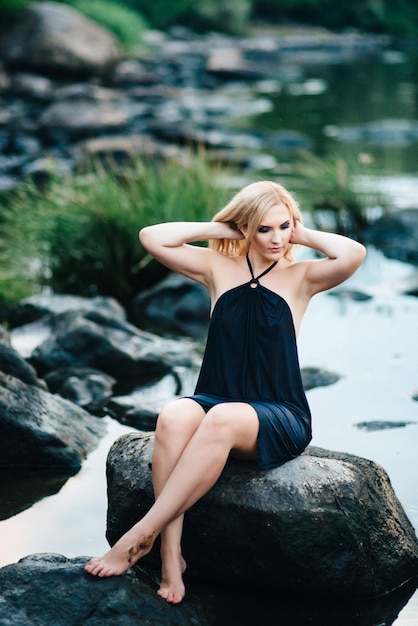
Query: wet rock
382,425
39,429
38,306
12,363
141,408
396,234
316,377
354,295
78,117
175,305
55,39
22,488
382,132
324,524
53,589
32,85
118,149
89,388
133,357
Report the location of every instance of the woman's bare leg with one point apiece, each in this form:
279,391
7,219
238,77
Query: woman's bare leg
225,427
176,425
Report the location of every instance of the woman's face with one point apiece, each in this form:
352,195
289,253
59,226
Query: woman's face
272,236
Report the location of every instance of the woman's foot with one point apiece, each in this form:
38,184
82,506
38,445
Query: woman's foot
124,554
172,587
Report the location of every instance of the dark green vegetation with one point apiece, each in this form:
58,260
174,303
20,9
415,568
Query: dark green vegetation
124,17
399,17
80,235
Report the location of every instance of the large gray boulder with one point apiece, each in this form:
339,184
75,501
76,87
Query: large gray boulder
91,339
39,429
12,363
175,305
38,306
324,523
55,39
396,234
52,589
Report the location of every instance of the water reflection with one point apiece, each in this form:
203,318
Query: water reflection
19,490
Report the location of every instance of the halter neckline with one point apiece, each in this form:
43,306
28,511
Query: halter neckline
255,280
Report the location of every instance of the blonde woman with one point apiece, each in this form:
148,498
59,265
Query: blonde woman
249,400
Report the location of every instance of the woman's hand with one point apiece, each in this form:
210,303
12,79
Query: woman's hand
298,232
170,243
233,232
342,255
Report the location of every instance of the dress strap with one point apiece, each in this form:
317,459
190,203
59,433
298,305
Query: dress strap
255,280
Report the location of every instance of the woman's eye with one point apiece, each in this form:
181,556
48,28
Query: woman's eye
286,225
263,229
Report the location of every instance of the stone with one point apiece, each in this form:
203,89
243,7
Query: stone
55,39
12,363
53,589
324,524
396,234
141,408
317,377
89,388
37,306
42,430
175,305
79,117
115,347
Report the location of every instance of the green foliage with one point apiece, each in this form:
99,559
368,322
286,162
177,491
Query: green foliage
218,15
399,17
126,24
331,191
161,13
13,5
80,235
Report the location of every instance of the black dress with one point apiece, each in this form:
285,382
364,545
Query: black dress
251,356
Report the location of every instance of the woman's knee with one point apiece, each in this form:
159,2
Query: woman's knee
178,417
218,419
233,422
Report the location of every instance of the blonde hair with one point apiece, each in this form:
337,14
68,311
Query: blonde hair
247,209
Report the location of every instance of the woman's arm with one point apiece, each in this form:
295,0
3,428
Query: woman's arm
169,244
343,257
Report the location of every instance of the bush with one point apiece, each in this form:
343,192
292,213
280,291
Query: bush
161,13
229,17
399,17
80,236
13,5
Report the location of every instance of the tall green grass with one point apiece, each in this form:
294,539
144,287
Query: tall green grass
330,189
80,235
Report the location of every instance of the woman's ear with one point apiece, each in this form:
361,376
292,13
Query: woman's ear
244,230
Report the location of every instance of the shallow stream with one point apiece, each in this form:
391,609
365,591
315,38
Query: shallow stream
371,344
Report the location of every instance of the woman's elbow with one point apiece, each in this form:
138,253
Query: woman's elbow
361,252
144,236
357,255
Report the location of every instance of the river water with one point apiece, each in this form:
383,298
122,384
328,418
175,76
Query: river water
371,344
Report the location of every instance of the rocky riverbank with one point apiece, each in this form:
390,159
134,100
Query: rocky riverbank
64,101
70,361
